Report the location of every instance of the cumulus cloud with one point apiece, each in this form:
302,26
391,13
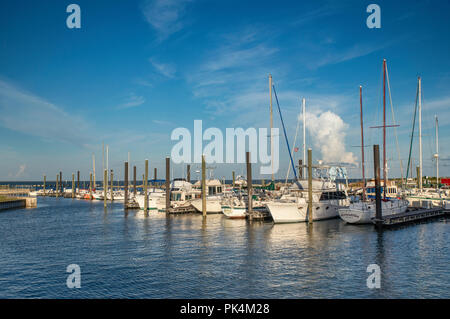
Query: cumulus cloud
328,132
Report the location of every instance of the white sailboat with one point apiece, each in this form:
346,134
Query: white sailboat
362,212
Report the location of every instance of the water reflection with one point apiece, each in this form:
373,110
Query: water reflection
186,256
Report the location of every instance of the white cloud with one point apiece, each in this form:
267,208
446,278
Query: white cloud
132,101
165,16
165,69
21,170
328,132
27,113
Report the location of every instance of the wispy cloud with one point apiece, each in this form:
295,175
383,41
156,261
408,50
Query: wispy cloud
132,101
350,53
165,16
166,69
21,170
165,123
27,113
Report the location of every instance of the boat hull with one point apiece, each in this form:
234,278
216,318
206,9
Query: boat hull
293,213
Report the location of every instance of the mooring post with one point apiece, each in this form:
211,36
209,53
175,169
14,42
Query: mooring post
376,165
112,186
300,169
134,181
145,187
167,184
73,186
155,174
188,173
90,186
105,186
418,176
125,182
78,181
44,184
249,184
310,193
234,178
57,185
203,186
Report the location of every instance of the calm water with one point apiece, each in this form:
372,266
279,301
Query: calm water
133,256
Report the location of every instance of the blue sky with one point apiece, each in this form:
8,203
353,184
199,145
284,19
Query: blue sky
138,69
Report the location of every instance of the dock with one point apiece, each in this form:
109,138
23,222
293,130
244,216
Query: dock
412,215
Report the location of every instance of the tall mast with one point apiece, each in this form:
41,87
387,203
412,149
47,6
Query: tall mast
271,123
103,157
362,144
437,154
420,133
384,130
304,130
93,167
107,157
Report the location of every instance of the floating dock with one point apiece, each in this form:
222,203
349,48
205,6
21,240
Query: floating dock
412,215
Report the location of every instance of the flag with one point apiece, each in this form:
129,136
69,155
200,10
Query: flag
296,149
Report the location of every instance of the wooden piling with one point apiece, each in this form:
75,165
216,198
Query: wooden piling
234,178
249,183
310,193
155,174
145,187
134,180
78,181
105,186
90,186
167,184
300,169
57,185
188,173
376,165
112,186
418,176
73,186
203,187
125,182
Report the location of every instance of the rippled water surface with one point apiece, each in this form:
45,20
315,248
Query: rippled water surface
129,255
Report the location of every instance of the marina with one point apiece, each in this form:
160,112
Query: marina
198,150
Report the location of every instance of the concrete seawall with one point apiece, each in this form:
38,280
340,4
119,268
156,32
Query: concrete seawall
26,202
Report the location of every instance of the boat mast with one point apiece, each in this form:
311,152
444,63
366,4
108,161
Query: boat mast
271,122
93,167
437,154
304,131
384,130
362,144
420,133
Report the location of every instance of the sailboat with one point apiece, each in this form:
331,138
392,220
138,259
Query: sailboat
362,212
426,196
292,206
